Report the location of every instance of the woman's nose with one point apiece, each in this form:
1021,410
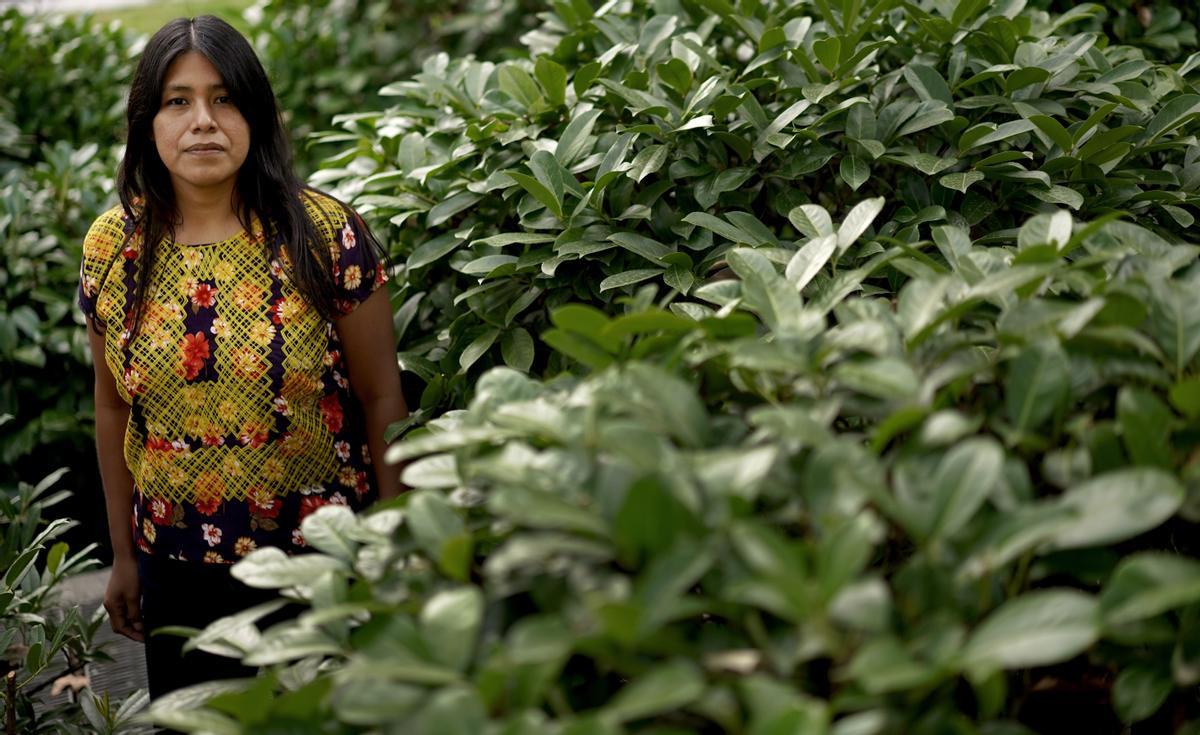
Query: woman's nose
202,116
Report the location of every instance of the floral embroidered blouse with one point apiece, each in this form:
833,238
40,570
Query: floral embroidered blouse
241,420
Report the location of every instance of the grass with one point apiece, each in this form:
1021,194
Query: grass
149,18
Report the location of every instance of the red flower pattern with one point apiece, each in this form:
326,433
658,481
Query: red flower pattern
331,413
194,350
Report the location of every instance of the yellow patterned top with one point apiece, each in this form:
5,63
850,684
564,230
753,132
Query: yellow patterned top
236,384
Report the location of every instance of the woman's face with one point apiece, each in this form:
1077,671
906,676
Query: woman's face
200,135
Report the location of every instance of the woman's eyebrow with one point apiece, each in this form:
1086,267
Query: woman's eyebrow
187,88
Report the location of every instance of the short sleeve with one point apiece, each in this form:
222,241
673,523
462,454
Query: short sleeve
357,269
100,248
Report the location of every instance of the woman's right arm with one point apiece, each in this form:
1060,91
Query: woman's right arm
122,598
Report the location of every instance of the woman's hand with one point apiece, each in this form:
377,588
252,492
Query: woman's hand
122,599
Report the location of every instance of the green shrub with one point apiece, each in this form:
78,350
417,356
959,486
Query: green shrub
46,371
64,79
40,641
331,57
863,397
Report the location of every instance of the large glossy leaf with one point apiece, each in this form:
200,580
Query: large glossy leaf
1036,629
1118,505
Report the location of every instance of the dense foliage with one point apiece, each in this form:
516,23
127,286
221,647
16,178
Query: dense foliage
56,175
816,367
42,644
332,57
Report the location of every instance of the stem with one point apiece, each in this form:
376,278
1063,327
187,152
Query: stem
10,709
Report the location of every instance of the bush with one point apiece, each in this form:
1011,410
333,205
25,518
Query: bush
865,399
65,79
68,79
331,57
41,643
45,210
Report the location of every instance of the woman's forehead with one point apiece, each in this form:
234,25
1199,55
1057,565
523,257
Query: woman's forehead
190,71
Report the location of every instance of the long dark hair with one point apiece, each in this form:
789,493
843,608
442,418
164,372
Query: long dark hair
266,183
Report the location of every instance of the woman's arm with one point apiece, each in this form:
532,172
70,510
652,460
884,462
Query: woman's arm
369,348
122,599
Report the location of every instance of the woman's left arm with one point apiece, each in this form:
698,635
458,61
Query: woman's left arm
369,349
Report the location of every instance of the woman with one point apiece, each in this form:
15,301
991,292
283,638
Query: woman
244,352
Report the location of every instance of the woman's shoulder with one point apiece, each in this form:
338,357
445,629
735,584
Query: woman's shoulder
106,235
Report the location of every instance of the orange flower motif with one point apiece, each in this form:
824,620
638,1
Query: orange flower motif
352,278
203,296
208,490
148,530
331,413
244,545
253,434
193,351
248,364
247,296
262,503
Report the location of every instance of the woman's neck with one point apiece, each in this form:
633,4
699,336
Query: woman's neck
205,215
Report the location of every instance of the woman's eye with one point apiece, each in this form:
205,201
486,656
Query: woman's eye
176,101
225,99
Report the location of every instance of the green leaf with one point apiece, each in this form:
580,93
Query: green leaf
432,521
928,83
577,348
553,78
330,530
1140,691
1146,425
665,688
1044,229
1036,629
964,479
772,297
537,509
883,665
517,84
675,74
828,51
1118,505
809,260
812,220
1177,112
628,278
721,227
550,174
1054,131
854,171
961,181
477,349
539,192
450,624
857,221
1185,397
432,250
886,378
646,247
517,349
1147,584
270,568
1022,78
577,139
647,161
1175,322
1038,383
